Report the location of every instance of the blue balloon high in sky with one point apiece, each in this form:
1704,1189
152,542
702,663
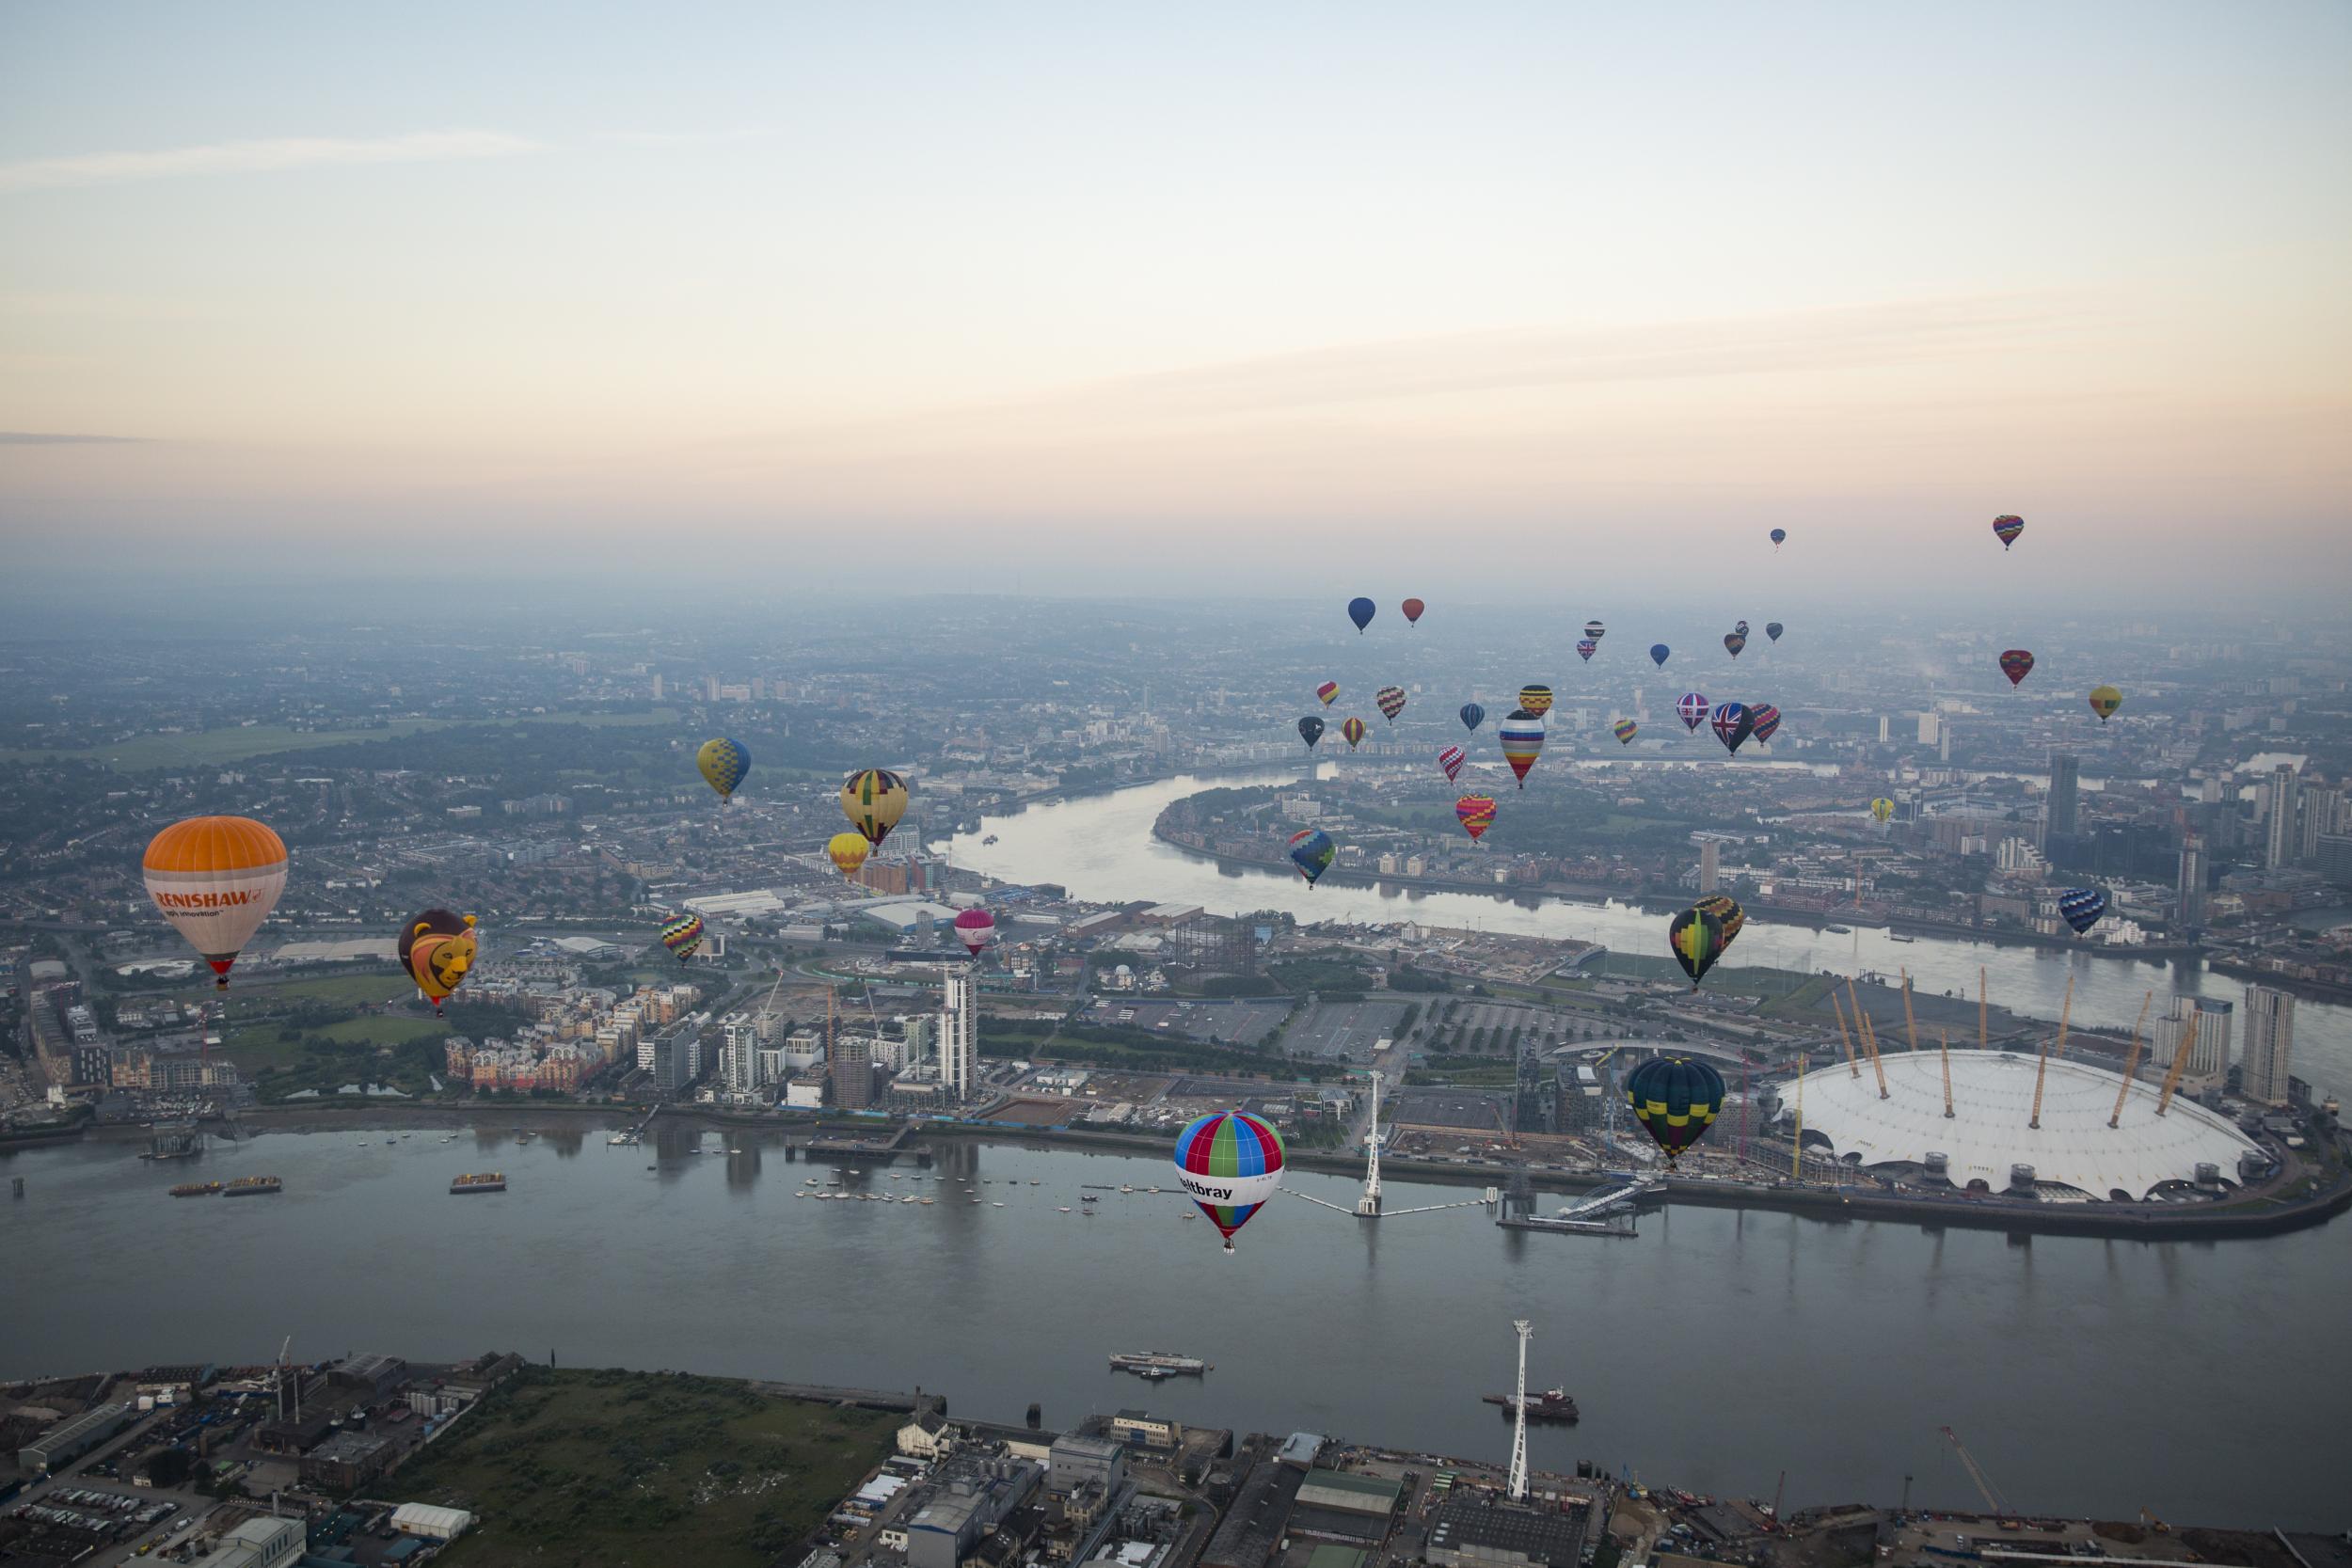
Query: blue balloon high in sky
1472,716
1658,652
1360,612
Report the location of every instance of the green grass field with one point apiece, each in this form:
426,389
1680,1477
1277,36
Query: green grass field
213,748
384,1030
619,1468
347,990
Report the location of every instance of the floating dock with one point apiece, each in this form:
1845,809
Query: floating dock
1160,1361
252,1186
487,1181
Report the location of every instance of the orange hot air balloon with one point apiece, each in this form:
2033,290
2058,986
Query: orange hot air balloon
1477,815
216,878
1412,612
849,853
438,949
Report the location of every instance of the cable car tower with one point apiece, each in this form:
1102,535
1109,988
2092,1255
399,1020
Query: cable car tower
1518,1418
1368,1206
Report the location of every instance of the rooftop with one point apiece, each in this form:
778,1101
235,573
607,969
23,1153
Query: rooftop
1479,1526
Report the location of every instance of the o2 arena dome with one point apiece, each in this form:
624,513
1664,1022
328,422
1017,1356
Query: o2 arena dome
1988,1141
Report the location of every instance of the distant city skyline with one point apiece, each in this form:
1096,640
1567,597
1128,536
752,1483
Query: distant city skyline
1034,301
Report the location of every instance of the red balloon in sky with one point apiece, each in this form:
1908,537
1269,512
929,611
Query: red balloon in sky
1412,609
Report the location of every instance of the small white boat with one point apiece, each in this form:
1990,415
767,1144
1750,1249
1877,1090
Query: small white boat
927,1202
1000,1205
1063,1210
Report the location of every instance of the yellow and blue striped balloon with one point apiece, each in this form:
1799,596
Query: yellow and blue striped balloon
724,761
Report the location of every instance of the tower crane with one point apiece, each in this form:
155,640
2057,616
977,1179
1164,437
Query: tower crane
1992,1498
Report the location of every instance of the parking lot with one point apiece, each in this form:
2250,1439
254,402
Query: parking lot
1344,1031
1246,1024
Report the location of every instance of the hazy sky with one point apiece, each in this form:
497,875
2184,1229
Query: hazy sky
1412,294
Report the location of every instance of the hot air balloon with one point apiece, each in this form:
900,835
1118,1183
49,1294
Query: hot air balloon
1734,723
1881,808
1472,716
1734,641
1676,1099
1585,649
723,763
1697,939
1328,691
1724,909
216,878
1451,761
975,929
2105,700
2016,664
1765,723
1476,813
1623,729
1310,731
849,853
436,948
1594,630
1312,851
1772,629
1522,737
1741,627
2081,906
1354,731
873,802
1391,700
2009,526
1692,707
683,936
1658,654
1412,612
1780,537
1361,612
1230,1163
1536,700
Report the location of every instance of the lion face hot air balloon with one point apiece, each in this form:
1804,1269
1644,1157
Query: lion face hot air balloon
1451,760
1676,1099
1328,691
2105,700
1310,731
1624,730
2016,664
975,929
1741,627
1472,716
1697,939
1734,641
1780,537
1361,612
2081,906
1354,731
723,762
683,936
2006,527
1692,709
1391,700
216,878
1734,723
1882,809
437,948
1658,654
1594,630
1586,648
1536,700
1312,851
1412,609
1522,737
1476,813
1230,1163
1772,630
1764,723
849,853
1727,911
873,802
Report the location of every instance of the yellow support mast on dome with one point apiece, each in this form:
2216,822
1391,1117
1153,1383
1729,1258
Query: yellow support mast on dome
2132,1065
2043,1070
2180,1058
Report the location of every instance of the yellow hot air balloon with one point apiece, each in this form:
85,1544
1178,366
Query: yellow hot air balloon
849,853
2105,700
216,878
873,802
1881,808
723,762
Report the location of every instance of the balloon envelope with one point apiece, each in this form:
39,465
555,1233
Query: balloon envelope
1772,630
1328,691
1692,707
1585,649
1780,537
683,936
1451,760
1230,1163
1472,716
436,948
1625,729
1312,851
1726,910
1476,813
1658,652
1881,808
1594,630
2016,664
849,853
1764,723
1391,699
1412,612
1734,641
2007,526
723,762
873,802
1310,730
216,878
1536,700
975,928
2081,906
1676,1099
1741,627
1361,612
2105,700
1354,731
1734,723
1522,737
1697,939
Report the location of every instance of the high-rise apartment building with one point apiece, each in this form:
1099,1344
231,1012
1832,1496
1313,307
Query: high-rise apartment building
2269,1045
959,1038
657,688
2209,1057
1710,866
2279,837
739,1055
2323,809
852,1071
2062,814
2189,892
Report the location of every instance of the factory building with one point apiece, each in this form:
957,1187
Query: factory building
1147,1431
346,1462
1252,1527
69,1440
969,1496
1476,1532
259,1544
432,1524
1349,1507
1076,1460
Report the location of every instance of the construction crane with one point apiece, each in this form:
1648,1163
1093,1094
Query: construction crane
2132,1065
1992,1498
2042,1070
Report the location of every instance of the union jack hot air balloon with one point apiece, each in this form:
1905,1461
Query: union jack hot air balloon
1693,708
